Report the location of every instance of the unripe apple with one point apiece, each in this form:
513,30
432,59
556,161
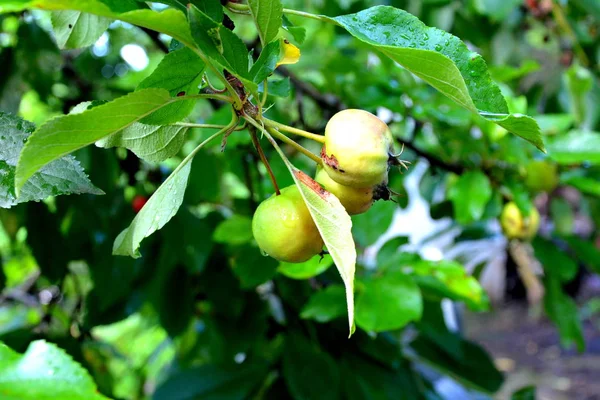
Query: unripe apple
542,176
515,226
284,228
357,149
354,200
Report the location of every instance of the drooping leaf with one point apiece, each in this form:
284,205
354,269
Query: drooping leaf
575,147
150,142
159,209
180,72
62,176
388,302
43,372
267,16
334,225
74,29
212,382
440,59
562,310
469,195
68,133
326,305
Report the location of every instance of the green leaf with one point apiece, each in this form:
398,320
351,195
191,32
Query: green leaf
43,372
440,59
562,215
401,297
584,184
62,176
298,32
449,279
506,73
267,16
368,227
469,195
563,311
68,133
221,45
308,372
313,267
461,359
585,251
575,147
579,81
277,87
159,209
553,124
212,8
212,382
325,305
180,72
252,268
266,63
171,22
74,29
235,230
149,142
556,263
525,393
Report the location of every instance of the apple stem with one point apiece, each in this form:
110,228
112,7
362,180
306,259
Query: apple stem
295,131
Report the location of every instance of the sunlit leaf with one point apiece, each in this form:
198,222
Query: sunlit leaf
61,176
171,22
62,135
159,209
43,372
74,29
440,59
149,142
400,295
575,147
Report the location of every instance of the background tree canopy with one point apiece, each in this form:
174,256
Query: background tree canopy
137,139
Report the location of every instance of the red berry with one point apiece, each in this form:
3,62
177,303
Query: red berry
138,202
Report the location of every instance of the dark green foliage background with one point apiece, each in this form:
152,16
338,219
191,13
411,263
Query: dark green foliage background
202,314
